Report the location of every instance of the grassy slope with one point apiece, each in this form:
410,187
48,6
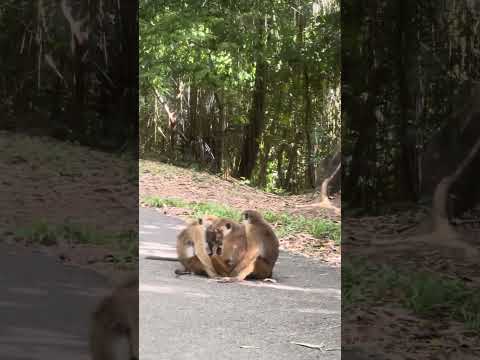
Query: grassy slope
47,194
313,232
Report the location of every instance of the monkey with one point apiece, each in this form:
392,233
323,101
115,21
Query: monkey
234,244
114,324
214,245
214,240
262,250
192,246
229,236
233,239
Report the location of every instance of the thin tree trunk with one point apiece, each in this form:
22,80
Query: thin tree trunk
326,182
310,169
280,174
407,163
219,140
291,180
262,174
256,124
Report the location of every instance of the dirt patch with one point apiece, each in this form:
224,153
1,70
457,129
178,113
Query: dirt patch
398,331
380,240
56,183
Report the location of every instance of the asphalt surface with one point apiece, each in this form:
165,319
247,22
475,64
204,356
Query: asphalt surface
194,318
45,306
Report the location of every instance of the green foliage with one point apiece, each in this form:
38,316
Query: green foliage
318,228
402,81
53,89
160,202
326,229
424,293
201,209
200,59
46,234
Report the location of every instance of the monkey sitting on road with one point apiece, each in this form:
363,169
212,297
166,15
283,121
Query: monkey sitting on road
192,243
232,237
261,253
114,326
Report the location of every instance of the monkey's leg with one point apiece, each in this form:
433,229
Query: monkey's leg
186,267
248,260
245,272
242,274
243,268
197,266
192,265
220,265
262,270
200,252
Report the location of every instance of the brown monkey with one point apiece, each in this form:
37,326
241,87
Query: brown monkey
262,249
214,240
234,245
114,325
192,248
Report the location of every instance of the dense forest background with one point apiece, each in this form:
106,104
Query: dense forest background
69,69
248,88
410,101
410,170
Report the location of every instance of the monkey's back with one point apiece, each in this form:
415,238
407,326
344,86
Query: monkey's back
271,240
263,233
235,245
184,243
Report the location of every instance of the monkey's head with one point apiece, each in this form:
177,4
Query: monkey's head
207,220
251,216
223,227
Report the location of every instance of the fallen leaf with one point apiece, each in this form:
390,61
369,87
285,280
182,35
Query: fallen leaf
311,346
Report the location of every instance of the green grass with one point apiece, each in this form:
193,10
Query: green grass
318,228
285,224
199,208
42,233
424,293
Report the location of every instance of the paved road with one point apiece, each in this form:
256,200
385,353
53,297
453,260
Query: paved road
44,306
193,318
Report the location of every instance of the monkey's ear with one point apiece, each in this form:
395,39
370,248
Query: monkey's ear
200,221
228,226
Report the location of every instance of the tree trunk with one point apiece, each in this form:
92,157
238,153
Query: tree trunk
280,152
77,120
291,180
310,168
219,139
407,164
262,174
256,123
360,185
326,182
192,132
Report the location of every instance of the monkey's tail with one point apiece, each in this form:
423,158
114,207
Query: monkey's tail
164,258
